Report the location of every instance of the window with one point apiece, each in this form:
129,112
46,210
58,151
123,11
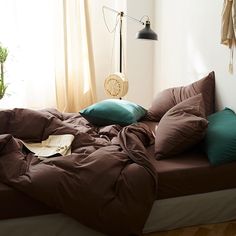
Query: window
26,29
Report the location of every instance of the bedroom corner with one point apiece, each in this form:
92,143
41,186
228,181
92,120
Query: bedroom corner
153,153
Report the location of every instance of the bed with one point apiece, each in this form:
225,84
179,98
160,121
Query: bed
187,184
193,209
115,181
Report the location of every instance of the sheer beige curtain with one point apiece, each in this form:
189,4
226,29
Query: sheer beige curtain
74,66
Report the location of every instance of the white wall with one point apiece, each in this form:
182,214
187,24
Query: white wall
189,47
139,54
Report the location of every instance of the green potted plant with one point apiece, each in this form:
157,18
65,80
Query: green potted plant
3,57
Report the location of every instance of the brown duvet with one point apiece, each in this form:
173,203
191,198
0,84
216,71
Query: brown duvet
108,182
14,204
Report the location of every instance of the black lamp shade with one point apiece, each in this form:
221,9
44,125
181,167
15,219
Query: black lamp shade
146,33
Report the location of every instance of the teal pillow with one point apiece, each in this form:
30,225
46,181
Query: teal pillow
220,139
113,111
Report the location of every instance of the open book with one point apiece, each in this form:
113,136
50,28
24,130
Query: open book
54,144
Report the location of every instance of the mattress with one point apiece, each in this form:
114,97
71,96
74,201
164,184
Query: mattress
196,209
191,173
166,214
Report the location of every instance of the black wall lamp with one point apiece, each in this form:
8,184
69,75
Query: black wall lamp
147,32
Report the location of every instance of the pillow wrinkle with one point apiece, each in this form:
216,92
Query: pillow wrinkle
175,148
191,110
169,98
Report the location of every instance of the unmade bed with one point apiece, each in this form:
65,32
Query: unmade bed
189,190
166,213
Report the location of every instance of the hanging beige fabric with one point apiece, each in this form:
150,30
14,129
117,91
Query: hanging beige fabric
228,28
75,80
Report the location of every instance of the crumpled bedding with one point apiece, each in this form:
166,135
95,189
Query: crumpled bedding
107,183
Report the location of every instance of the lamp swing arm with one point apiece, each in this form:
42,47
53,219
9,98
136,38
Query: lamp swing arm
122,14
145,33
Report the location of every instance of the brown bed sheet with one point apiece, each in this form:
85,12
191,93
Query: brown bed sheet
191,173
14,204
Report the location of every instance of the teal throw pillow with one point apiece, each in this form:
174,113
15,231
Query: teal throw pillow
113,111
220,139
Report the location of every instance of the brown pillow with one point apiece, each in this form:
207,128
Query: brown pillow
172,96
181,128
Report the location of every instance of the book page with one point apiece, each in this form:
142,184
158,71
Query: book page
54,144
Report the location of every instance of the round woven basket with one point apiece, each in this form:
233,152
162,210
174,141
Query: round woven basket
116,85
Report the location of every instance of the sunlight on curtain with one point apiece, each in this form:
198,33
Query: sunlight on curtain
49,63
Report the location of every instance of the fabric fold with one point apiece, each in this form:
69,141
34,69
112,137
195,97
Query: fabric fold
107,183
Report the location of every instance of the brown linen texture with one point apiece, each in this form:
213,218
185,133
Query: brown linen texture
108,183
168,98
181,128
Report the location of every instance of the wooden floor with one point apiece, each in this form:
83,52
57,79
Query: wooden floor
223,229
